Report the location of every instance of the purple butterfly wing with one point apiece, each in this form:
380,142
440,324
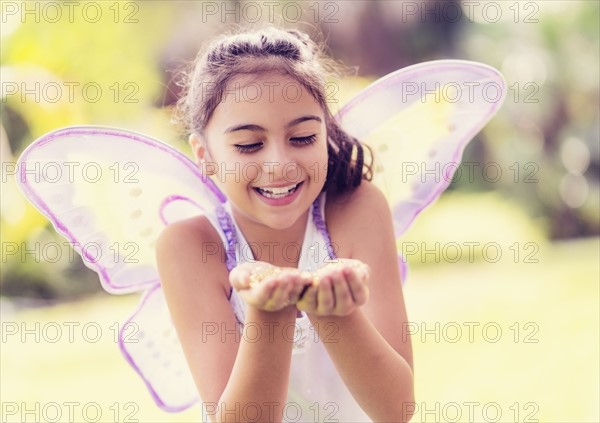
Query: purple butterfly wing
150,344
109,192
418,120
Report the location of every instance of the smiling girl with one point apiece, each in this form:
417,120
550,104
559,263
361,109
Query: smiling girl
316,274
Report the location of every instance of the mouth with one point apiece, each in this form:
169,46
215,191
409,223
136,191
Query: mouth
278,192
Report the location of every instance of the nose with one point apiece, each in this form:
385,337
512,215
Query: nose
279,161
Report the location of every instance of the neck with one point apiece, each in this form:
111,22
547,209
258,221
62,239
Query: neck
280,247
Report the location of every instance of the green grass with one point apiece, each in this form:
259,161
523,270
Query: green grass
548,370
554,302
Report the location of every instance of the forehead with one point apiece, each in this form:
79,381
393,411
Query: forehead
273,81
266,98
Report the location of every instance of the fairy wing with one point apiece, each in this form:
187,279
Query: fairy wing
418,121
109,192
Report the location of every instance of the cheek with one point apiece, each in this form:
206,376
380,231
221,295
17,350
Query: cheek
323,160
317,166
292,172
251,171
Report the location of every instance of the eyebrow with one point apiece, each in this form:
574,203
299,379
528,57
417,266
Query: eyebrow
258,128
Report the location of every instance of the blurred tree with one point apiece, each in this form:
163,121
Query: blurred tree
92,68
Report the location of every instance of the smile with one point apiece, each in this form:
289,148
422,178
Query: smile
278,192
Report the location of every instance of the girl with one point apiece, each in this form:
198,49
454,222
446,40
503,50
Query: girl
298,186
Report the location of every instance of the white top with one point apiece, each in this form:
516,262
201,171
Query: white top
316,393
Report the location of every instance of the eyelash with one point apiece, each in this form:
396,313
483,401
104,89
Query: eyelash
248,148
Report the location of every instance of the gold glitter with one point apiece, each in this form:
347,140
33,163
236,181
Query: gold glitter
306,274
260,273
315,280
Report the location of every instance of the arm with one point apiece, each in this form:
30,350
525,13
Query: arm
261,371
380,378
372,351
230,370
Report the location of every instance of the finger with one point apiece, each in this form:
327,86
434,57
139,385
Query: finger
343,298
264,292
257,296
325,297
362,269
358,285
306,281
308,302
303,292
281,293
289,280
239,277
364,272
298,287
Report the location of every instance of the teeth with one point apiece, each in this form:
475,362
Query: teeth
275,192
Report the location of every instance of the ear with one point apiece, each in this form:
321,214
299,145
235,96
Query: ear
201,153
198,144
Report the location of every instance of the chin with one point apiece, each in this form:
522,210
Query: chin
281,222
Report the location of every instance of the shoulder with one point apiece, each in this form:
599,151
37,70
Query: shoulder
193,230
365,201
194,234
365,194
357,215
192,244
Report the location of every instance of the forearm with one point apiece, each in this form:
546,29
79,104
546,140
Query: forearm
379,378
260,375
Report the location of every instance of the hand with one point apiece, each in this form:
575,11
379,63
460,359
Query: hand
269,287
338,289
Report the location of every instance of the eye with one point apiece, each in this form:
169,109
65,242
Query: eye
247,148
304,140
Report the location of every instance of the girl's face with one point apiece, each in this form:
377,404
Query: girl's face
266,144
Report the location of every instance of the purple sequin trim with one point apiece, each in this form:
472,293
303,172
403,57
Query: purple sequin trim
229,231
319,222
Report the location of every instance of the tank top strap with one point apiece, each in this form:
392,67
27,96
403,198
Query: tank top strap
318,219
222,221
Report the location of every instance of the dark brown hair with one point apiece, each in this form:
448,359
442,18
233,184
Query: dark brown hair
266,50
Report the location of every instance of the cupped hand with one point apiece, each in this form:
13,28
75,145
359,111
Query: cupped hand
338,289
267,287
